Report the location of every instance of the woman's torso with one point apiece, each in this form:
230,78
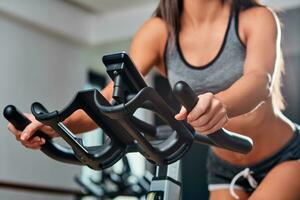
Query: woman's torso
268,129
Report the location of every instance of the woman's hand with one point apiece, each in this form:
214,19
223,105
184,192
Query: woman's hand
208,116
27,138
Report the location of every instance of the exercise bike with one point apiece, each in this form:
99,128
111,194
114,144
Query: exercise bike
163,146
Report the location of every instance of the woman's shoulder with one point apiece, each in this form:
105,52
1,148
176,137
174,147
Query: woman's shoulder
152,35
154,29
258,19
147,46
155,22
258,14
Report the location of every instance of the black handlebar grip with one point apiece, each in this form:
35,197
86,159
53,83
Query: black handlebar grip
50,148
14,116
185,95
222,138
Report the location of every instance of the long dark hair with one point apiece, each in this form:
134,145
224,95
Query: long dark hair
171,10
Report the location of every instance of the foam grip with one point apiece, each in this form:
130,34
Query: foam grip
50,148
185,95
14,116
11,113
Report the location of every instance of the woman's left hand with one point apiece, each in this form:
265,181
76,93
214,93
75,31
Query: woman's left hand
208,116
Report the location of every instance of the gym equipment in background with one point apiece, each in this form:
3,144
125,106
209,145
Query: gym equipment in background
113,184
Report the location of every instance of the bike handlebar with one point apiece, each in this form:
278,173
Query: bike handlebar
221,138
125,132
50,148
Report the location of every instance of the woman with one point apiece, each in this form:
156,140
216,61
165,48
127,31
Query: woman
229,52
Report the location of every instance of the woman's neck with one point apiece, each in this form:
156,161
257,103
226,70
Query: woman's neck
196,12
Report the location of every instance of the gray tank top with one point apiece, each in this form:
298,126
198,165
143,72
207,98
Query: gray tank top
218,74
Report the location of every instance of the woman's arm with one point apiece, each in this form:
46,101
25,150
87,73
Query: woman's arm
262,52
254,87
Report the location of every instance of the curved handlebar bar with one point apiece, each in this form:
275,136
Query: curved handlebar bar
221,138
126,133
96,157
50,148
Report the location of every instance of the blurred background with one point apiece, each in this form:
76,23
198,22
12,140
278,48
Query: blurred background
50,49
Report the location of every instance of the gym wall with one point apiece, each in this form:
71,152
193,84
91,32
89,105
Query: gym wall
35,66
291,51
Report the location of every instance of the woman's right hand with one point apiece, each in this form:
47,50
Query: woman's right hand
27,138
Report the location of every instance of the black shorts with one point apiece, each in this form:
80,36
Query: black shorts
222,174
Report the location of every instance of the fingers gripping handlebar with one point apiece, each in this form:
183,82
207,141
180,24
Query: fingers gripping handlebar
221,138
50,148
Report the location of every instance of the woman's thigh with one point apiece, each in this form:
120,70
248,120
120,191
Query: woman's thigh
223,194
282,182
